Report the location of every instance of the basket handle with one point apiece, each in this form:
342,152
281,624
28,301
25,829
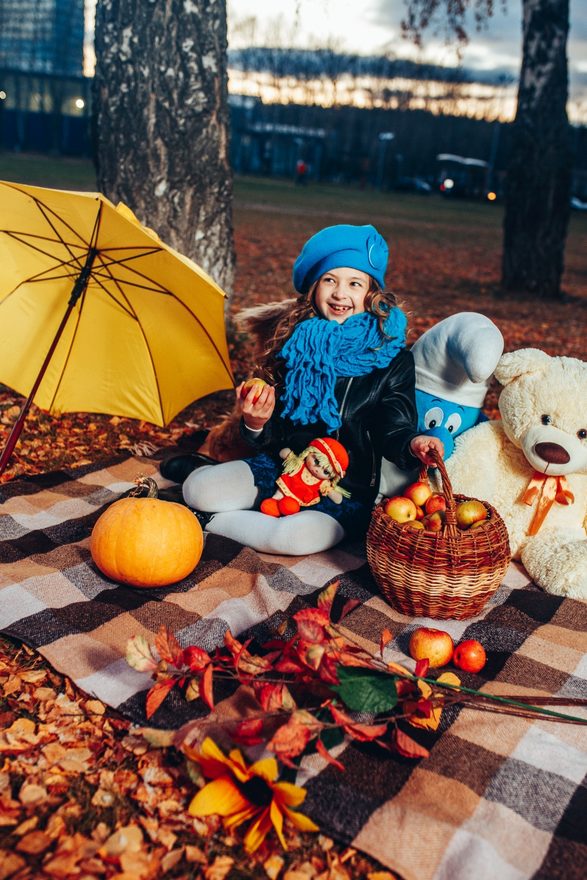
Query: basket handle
450,519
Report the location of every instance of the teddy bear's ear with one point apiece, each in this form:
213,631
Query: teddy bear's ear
517,363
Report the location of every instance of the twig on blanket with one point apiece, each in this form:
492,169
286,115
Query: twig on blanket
520,713
534,710
318,686
544,701
465,694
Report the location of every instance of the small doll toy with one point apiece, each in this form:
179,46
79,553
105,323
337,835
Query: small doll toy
308,477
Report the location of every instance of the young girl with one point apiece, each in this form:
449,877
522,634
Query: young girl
338,367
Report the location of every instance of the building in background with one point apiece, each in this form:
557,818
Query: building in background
42,36
44,98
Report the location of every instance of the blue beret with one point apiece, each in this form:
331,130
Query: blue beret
335,247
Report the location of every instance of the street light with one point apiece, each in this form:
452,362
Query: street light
384,138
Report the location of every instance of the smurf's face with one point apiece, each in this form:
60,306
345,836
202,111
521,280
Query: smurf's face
444,419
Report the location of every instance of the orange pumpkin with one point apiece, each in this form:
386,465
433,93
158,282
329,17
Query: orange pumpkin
146,542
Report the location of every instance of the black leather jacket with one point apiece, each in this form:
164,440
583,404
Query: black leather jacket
378,413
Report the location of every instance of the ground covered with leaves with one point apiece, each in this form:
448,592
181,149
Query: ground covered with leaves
445,258
81,794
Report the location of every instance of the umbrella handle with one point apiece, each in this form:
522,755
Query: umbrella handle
18,425
14,435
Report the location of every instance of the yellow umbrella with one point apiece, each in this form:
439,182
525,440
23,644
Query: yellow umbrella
97,314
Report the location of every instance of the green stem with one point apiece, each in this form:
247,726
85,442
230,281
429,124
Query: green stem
494,698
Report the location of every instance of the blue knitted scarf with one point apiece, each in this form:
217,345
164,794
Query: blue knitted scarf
318,351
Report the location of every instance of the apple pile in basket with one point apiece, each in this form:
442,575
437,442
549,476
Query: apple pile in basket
421,508
437,555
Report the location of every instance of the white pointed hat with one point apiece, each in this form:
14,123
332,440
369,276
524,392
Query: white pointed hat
456,358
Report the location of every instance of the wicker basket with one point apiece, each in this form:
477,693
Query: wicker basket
450,573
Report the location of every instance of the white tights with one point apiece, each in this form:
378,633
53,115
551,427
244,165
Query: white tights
229,491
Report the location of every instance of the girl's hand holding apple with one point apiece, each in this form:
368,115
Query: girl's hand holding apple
255,400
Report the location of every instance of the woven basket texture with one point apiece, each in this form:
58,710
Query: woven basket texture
451,573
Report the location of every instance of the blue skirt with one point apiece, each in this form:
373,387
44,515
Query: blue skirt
354,516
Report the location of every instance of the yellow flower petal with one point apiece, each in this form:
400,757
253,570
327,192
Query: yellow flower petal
209,757
237,758
209,749
289,794
214,762
220,797
277,820
237,819
257,832
300,821
266,768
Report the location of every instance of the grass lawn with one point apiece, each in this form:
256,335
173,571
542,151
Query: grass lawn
57,172
437,246
445,256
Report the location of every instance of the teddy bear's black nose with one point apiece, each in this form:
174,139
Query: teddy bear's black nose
552,453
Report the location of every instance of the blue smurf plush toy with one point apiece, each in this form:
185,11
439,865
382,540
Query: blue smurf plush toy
454,361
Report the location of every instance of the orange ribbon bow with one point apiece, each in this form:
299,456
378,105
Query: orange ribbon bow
550,489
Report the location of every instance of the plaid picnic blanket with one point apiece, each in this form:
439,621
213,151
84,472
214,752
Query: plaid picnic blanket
499,797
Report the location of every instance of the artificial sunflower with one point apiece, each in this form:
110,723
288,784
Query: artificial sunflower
239,793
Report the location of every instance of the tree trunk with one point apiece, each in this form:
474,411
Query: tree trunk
538,184
161,122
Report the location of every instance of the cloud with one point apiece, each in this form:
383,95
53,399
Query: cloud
496,46
498,40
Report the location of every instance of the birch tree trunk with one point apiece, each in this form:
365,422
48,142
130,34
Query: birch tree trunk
538,183
161,122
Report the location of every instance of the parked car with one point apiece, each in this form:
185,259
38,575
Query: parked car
577,204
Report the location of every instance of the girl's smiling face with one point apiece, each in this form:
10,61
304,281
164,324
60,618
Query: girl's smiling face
341,293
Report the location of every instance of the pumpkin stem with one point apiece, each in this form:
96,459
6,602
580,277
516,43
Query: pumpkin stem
145,487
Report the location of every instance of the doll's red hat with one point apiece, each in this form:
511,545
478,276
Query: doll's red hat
334,452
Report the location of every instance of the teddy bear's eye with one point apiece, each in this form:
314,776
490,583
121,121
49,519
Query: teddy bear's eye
546,420
582,433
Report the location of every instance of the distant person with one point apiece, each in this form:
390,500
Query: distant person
339,369
301,172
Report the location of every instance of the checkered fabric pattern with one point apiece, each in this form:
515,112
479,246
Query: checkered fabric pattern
499,798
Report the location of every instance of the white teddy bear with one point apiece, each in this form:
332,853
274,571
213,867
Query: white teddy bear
532,466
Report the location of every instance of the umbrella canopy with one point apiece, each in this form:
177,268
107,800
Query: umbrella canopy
97,314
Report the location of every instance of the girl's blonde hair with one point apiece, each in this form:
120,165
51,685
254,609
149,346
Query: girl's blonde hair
378,302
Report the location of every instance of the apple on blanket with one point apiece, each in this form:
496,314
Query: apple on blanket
532,466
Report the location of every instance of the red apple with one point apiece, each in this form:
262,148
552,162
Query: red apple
419,512
434,503
400,509
418,492
255,382
470,656
435,645
433,522
469,512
